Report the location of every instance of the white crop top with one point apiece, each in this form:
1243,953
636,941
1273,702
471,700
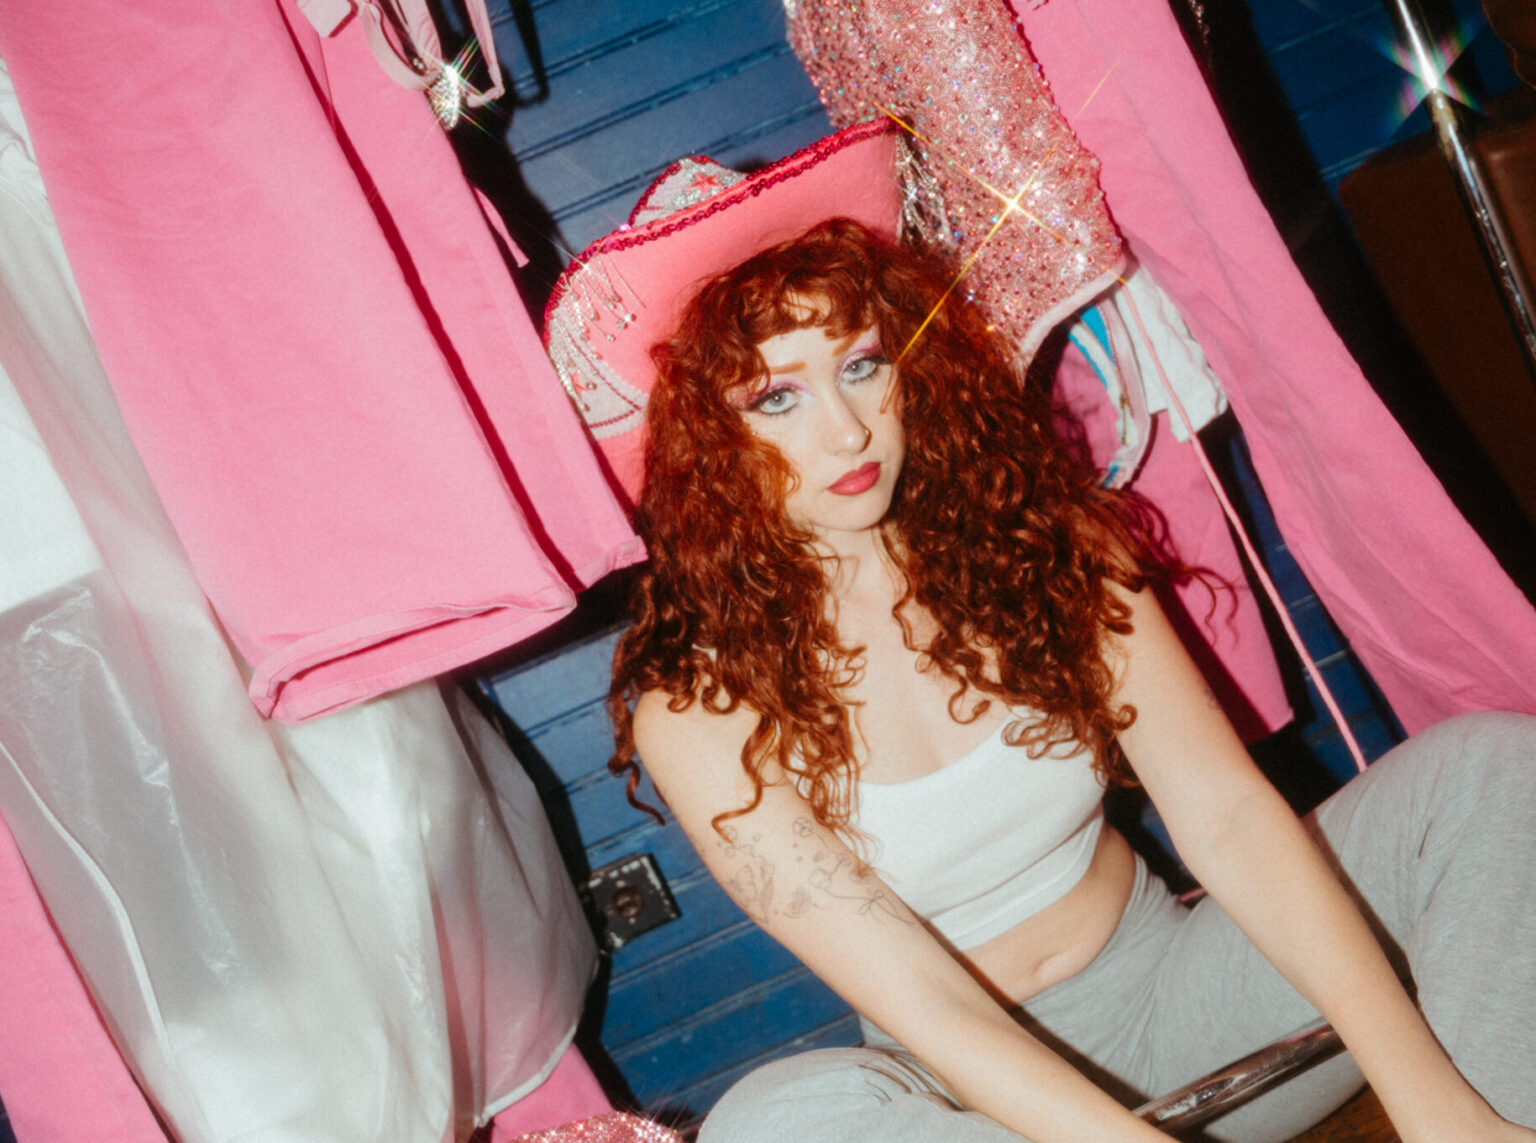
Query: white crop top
990,839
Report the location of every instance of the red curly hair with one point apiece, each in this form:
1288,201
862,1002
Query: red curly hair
1003,538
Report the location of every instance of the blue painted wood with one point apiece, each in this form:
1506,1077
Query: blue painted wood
731,1036
602,191
1313,68
838,1034
705,912
598,182
713,971
1334,62
637,84
1283,23
574,34
563,683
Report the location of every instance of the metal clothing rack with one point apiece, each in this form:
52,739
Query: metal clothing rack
1471,177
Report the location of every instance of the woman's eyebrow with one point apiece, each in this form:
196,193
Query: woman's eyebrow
841,346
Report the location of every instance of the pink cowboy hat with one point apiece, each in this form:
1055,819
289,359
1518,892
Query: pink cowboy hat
624,293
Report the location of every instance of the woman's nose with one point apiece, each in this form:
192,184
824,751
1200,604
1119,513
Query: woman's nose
846,431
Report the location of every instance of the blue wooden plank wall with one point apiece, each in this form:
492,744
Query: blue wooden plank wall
1369,717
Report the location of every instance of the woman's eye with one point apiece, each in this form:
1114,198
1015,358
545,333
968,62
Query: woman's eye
863,368
779,400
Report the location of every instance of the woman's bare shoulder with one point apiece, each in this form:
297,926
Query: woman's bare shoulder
696,743
670,719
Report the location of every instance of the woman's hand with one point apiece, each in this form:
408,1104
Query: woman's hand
1500,1131
1489,1128
1463,1117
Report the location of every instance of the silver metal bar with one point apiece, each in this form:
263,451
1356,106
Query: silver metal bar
1466,165
1242,1080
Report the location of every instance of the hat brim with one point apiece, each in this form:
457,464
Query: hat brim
660,265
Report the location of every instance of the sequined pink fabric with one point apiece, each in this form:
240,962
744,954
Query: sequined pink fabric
615,1127
959,74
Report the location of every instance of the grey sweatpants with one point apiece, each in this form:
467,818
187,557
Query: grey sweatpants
1438,841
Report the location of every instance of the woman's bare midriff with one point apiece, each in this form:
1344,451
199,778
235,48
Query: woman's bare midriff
1064,937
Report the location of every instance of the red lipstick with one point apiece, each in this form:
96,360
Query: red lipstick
861,479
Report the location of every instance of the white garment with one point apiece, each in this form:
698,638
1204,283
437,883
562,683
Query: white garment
989,839
350,931
1167,354
1142,350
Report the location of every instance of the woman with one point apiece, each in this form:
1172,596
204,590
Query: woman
891,645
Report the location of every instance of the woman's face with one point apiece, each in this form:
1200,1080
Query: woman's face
829,405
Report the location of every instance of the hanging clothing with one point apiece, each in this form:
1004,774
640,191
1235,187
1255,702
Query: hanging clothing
352,930
315,343
1435,620
985,128
1165,351
1144,356
983,117
61,1076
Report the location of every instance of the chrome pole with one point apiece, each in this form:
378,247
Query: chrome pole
1242,1080
1492,230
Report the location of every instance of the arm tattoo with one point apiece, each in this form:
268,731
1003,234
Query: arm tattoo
750,884
830,878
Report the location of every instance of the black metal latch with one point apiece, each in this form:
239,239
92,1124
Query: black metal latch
627,897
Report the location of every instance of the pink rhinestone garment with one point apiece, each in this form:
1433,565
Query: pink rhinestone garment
959,74
615,1127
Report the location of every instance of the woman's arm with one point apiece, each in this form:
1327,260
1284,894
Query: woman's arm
800,883
1243,843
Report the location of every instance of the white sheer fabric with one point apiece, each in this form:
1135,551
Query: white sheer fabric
356,929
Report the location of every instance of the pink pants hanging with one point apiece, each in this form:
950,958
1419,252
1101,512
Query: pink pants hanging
315,341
